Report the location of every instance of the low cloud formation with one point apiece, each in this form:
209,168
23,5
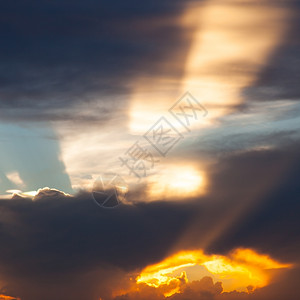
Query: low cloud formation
285,287
68,247
73,245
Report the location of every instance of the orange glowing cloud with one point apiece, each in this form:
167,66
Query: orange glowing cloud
4,297
237,271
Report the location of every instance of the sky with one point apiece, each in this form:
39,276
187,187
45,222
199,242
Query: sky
186,113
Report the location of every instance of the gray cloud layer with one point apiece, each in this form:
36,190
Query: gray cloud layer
59,54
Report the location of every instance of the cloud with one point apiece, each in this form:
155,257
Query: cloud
70,237
73,245
65,60
285,287
202,289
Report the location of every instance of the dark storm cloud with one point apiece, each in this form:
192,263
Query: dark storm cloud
56,54
261,189
78,225
70,237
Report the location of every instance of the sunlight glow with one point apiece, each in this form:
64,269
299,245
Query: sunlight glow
218,64
30,193
177,181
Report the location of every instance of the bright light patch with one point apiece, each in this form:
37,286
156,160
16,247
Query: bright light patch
185,180
30,193
177,181
13,191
